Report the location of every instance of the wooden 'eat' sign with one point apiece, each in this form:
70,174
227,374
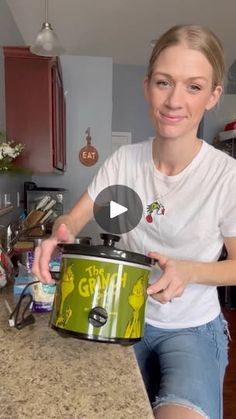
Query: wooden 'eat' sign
88,155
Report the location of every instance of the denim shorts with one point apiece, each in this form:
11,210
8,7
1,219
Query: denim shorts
185,366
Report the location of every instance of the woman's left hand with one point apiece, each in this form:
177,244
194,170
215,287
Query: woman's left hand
176,275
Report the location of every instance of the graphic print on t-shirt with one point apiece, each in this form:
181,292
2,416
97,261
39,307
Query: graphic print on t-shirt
156,208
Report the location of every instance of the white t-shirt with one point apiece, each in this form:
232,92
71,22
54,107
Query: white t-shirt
199,210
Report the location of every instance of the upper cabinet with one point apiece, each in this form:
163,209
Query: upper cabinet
35,109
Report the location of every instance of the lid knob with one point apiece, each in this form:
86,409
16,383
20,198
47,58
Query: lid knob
109,239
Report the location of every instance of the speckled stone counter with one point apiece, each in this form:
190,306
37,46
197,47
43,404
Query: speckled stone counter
43,375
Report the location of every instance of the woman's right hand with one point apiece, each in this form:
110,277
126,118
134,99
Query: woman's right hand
65,228
43,253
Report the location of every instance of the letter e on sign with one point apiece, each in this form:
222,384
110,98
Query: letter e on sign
88,155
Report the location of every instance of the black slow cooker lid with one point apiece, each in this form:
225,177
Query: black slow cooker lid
105,250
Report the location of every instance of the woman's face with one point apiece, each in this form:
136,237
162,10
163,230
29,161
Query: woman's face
179,91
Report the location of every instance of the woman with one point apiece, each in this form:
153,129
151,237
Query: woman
183,354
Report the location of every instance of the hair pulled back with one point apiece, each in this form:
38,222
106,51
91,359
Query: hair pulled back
195,37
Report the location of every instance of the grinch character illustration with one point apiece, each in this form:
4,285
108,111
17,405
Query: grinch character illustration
66,288
136,300
154,206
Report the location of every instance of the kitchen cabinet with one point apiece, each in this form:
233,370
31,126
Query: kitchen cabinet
35,109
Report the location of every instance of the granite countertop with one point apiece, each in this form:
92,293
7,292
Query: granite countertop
44,375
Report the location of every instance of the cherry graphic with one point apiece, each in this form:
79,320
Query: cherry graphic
149,218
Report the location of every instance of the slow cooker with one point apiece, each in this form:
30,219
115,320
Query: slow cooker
101,292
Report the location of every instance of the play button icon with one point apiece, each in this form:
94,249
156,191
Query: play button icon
117,209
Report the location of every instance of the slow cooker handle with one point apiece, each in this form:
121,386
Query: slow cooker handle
109,239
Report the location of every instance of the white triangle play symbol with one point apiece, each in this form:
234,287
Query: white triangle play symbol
116,209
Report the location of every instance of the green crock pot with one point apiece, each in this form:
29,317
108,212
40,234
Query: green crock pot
101,292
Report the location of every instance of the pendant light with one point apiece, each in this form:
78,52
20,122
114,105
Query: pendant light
47,43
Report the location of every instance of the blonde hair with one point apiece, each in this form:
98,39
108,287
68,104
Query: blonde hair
196,37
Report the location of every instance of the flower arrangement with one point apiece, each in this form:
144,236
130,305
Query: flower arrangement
9,150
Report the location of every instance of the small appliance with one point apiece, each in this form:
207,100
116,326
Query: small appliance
34,194
101,292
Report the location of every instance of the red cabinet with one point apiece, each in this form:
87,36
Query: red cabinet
35,109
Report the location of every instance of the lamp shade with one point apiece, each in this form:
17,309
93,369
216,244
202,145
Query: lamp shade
47,43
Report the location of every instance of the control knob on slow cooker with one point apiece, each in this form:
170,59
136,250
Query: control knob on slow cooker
97,316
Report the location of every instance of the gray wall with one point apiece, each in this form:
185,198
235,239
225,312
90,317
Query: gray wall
88,90
215,119
9,35
94,100
130,110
